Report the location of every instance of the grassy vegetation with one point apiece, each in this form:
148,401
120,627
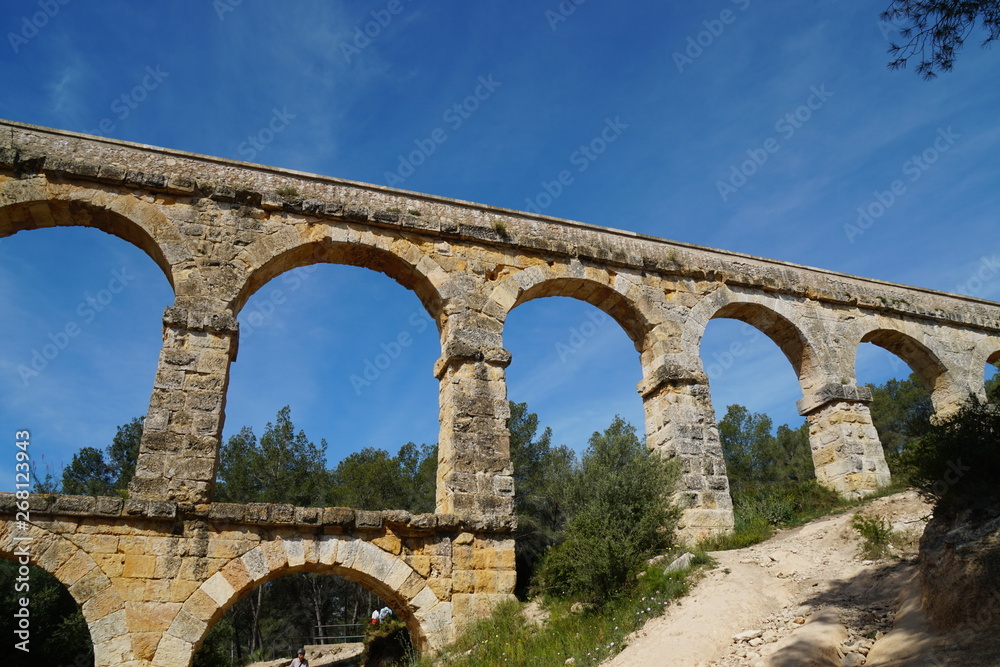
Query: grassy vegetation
760,511
508,638
387,642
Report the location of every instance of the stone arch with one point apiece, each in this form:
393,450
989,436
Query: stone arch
987,351
905,342
618,295
123,215
285,250
98,599
777,319
389,577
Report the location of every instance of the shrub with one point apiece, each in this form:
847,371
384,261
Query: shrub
958,461
619,516
507,638
387,643
758,510
876,535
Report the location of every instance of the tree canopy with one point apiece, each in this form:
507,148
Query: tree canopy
282,467
755,457
901,411
619,515
540,474
934,31
95,472
372,479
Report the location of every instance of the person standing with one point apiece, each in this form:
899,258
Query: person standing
300,661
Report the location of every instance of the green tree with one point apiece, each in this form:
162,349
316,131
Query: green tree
993,387
756,458
123,452
282,467
540,475
935,30
619,516
956,462
795,463
88,474
748,448
95,472
901,411
58,632
373,480
418,467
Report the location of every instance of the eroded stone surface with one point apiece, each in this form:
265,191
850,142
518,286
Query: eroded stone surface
220,231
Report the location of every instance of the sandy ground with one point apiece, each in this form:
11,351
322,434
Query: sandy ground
320,655
805,587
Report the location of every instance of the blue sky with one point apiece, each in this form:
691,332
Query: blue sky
692,90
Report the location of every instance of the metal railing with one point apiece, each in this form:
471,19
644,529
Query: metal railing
343,636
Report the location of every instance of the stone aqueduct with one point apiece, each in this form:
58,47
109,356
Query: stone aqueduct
152,573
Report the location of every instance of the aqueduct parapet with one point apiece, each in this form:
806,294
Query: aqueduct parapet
220,230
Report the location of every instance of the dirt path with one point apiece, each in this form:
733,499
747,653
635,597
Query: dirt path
807,585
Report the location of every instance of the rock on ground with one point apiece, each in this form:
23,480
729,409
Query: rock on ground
806,586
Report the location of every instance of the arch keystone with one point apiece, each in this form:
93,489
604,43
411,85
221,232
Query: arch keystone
328,549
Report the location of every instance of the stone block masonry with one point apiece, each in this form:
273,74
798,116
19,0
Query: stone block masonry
153,573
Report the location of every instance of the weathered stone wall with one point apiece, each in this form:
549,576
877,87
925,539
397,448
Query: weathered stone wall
220,230
151,578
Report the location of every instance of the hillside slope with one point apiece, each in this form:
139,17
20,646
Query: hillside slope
805,597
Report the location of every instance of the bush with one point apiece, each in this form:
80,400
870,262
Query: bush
619,517
958,461
759,510
507,638
387,643
876,535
